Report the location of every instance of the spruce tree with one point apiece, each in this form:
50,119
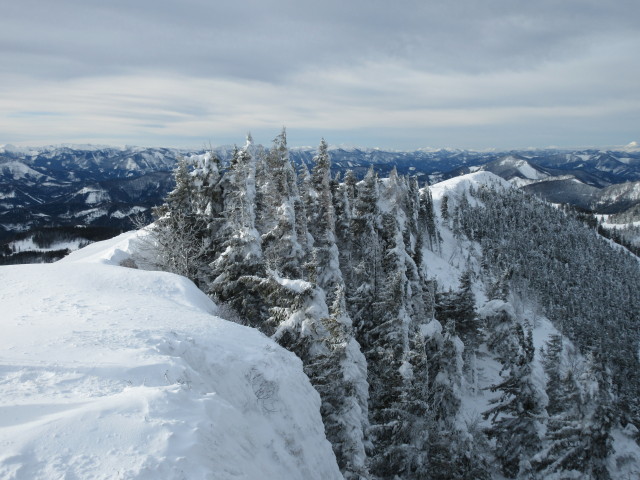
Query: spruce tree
277,217
365,276
326,262
242,254
396,357
184,234
517,414
564,452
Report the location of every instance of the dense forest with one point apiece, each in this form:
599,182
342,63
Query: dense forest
337,270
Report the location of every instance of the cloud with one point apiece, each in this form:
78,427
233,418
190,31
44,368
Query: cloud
183,72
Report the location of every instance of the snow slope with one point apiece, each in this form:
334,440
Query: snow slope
460,185
114,372
446,265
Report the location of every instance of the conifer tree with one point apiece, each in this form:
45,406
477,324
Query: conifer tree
336,365
516,417
322,225
345,391
242,254
365,257
331,358
444,209
396,357
426,219
277,215
600,419
563,452
184,233
343,209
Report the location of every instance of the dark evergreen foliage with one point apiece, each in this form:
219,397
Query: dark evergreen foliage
337,272
586,287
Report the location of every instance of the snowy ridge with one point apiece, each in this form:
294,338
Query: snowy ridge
624,192
113,372
460,185
18,171
523,167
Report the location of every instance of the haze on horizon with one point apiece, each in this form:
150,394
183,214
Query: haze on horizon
490,74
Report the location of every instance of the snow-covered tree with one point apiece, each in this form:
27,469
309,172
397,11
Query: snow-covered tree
242,254
276,218
518,413
364,278
185,232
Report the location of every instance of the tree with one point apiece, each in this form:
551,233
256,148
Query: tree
365,257
332,360
184,233
277,217
344,389
564,450
242,255
326,260
395,354
444,208
600,418
517,414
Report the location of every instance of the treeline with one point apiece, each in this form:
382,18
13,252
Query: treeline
46,237
32,257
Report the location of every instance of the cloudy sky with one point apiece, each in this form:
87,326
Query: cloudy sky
404,74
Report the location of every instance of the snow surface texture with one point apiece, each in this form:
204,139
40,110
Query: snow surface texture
114,372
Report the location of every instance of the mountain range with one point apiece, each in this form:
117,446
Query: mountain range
107,187
462,330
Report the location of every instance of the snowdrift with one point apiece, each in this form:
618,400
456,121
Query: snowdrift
114,372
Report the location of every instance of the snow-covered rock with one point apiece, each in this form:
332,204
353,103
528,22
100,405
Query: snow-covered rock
114,372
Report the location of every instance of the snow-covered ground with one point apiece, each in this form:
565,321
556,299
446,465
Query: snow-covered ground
119,373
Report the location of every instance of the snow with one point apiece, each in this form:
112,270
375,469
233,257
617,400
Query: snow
626,462
127,212
19,170
521,182
93,195
428,330
462,183
114,372
131,165
8,148
445,265
10,194
89,215
631,147
523,167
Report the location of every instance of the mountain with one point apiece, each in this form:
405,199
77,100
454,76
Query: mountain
461,330
114,372
573,186
618,198
53,186
47,188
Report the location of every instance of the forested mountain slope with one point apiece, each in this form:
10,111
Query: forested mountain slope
458,331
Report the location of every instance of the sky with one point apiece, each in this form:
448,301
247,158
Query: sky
401,75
